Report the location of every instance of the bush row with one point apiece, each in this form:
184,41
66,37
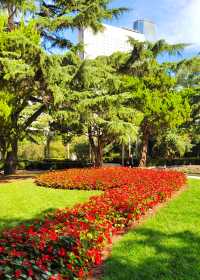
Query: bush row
174,162
67,243
51,164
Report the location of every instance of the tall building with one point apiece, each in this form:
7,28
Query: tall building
148,28
111,40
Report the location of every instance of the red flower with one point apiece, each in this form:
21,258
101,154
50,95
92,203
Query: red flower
98,259
81,273
30,272
2,249
100,239
55,277
18,273
74,237
61,252
53,235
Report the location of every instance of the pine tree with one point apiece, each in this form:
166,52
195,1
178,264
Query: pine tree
96,107
28,75
58,16
29,78
162,105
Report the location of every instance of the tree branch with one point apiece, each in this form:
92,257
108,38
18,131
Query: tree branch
35,99
31,119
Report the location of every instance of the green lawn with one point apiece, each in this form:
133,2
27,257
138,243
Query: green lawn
22,201
166,247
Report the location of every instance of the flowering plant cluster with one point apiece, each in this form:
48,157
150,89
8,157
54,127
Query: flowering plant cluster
67,243
100,178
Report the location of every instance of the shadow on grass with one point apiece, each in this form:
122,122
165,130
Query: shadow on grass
160,257
9,223
20,175
9,179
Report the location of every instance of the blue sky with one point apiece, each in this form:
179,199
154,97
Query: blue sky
176,20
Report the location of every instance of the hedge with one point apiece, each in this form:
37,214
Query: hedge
51,164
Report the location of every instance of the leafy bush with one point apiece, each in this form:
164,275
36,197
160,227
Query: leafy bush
176,161
51,164
68,242
57,150
80,147
31,151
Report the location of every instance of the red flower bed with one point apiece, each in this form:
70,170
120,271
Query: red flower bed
67,243
101,178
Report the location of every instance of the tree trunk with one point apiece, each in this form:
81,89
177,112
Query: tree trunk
97,150
10,164
47,154
99,156
11,15
144,149
11,24
123,155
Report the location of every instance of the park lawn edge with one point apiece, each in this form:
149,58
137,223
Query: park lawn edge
98,270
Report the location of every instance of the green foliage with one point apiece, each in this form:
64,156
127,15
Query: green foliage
97,106
173,143
109,99
188,77
58,150
5,109
31,82
80,146
31,151
58,16
163,105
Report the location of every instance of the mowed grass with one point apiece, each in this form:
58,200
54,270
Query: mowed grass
165,247
22,201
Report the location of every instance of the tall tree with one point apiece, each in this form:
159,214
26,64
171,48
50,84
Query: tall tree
28,78
58,16
162,106
27,74
96,107
188,77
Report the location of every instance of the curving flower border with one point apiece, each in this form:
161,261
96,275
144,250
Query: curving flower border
70,241
98,178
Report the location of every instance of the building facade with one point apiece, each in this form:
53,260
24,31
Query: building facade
105,43
146,27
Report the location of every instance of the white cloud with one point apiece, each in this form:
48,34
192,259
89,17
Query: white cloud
183,23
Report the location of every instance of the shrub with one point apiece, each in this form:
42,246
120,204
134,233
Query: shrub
57,149
175,162
51,164
31,151
68,242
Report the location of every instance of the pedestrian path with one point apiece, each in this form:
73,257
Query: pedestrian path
193,177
